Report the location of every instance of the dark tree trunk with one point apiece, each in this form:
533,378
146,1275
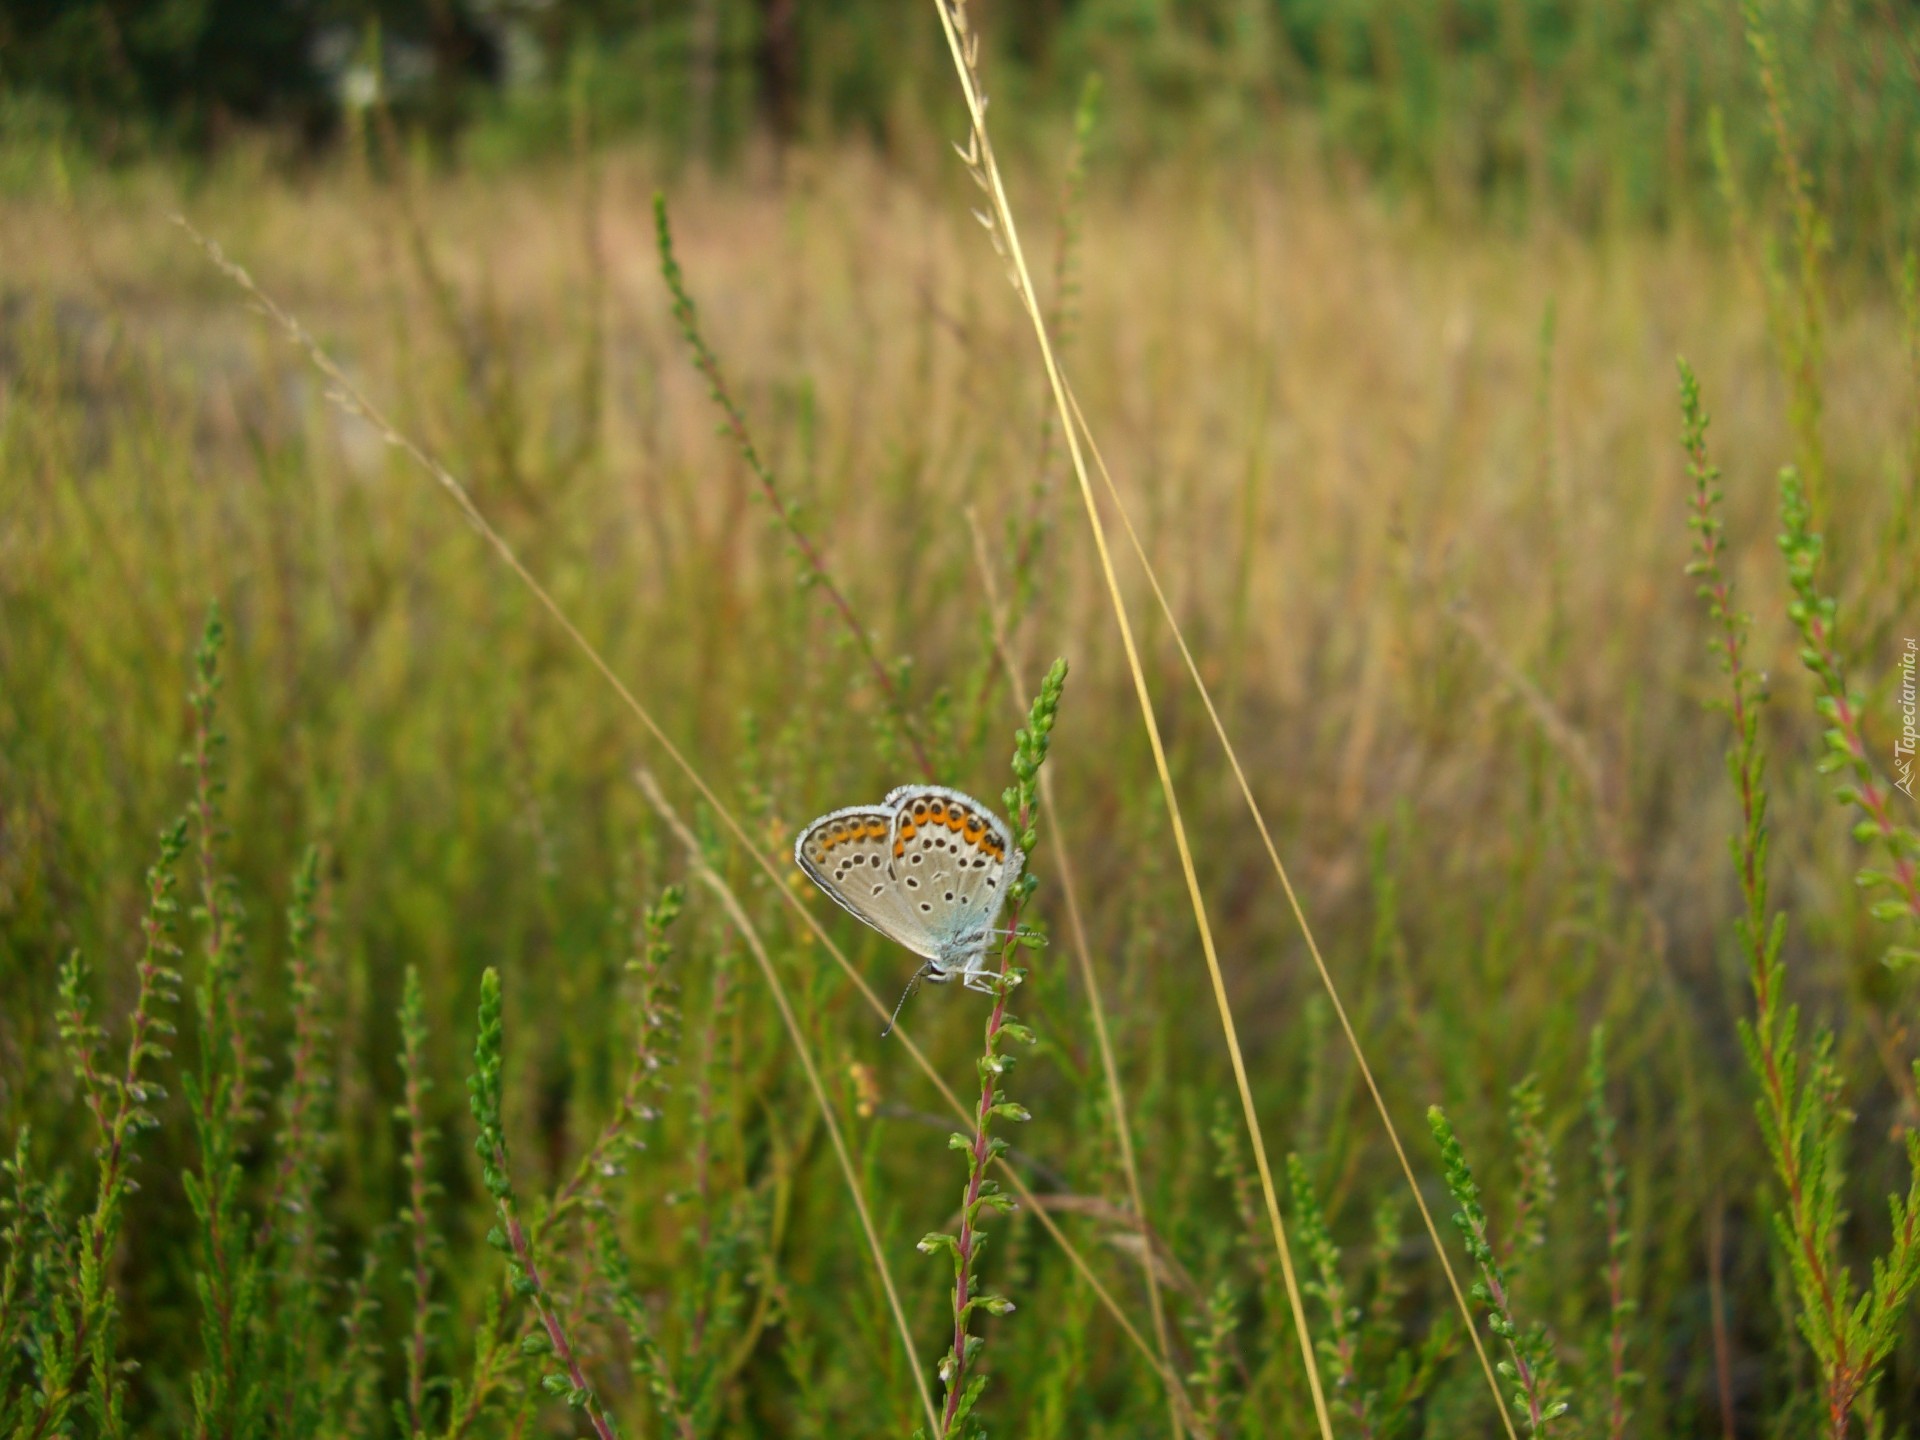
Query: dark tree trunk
778,64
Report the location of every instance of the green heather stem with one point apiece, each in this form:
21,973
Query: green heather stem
649,1363
290,1226
15,1235
424,1242
348,1391
1800,1112
223,1392
1339,1343
510,1237
1022,800
1610,1207
1769,1036
815,572
656,1027
119,1103
296,1174
1815,615
222,1017
1529,1361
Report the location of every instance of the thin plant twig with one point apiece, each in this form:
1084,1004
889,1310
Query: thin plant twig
1083,957
963,43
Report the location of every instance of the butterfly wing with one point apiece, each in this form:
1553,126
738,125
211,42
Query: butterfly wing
954,861
849,854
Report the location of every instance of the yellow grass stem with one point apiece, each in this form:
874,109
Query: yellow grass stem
1083,956
979,155
1300,917
349,398
650,787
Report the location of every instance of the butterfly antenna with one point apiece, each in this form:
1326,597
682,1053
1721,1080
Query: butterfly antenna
912,985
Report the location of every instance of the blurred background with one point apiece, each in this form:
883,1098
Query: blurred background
1593,113
1374,308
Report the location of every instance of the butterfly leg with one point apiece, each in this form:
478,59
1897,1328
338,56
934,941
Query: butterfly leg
976,976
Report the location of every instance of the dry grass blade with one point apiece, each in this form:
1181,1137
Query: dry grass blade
1299,914
711,879
349,398
979,156
1083,956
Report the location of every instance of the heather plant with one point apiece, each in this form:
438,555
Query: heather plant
958,1372
1531,1366
1815,616
1850,1328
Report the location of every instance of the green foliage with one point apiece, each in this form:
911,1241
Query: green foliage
1496,105
1377,1378
425,1243
425,784
1803,1118
957,1368
1531,1365
524,1278
1814,615
1617,1380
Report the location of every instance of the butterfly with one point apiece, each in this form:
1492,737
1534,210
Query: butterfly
928,867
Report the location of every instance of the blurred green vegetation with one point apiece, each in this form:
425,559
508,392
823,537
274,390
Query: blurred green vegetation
1593,113
1412,475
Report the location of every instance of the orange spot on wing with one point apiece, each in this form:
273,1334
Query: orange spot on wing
899,848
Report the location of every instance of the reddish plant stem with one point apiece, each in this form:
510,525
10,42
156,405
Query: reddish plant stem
1616,1332
1523,1372
549,1317
978,1158
416,1164
218,922
1870,797
1843,1382
102,1225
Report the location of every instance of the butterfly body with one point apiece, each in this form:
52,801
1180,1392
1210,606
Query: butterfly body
928,867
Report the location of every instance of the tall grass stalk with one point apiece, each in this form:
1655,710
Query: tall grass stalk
963,43
347,396
1321,969
1089,976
